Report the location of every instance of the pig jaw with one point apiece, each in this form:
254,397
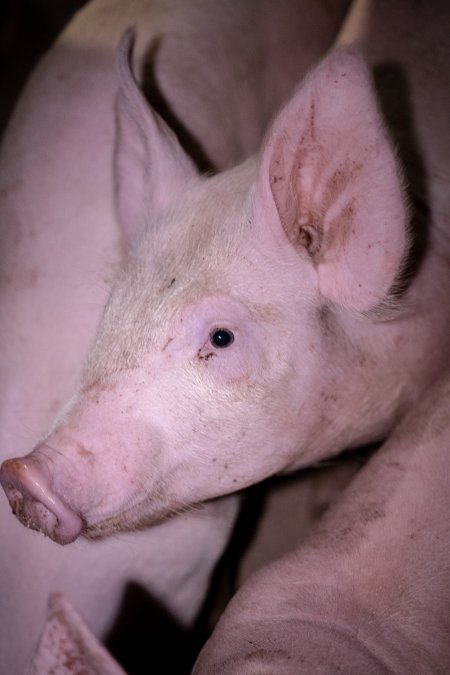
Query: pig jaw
35,504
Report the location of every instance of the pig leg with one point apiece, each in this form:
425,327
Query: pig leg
369,592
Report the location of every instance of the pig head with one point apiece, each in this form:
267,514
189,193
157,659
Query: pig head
252,330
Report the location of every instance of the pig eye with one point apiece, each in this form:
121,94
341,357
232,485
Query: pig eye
221,337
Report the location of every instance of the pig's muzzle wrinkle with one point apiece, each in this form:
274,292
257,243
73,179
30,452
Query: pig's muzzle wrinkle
35,504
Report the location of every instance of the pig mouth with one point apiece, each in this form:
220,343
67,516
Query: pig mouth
151,511
130,520
34,503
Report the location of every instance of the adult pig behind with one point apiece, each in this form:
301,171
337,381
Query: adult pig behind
369,590
61,247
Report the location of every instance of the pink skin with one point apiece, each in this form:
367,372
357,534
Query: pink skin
294,254
60,249
368,592
68,645
39,507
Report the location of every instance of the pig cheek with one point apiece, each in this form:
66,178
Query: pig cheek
134,467
229,367
199,407
114,472
195,412
278,418
124,479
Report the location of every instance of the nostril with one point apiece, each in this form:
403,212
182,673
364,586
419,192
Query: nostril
31,513
34,504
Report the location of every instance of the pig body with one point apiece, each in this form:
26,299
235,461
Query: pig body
61,247
369,590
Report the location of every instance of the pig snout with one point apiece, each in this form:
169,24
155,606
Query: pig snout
34,502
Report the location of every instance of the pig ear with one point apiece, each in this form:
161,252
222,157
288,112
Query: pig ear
149,163
66,639
328,175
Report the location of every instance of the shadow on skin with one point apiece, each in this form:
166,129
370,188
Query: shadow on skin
393,93
155,97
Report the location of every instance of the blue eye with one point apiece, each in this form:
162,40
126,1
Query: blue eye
221,337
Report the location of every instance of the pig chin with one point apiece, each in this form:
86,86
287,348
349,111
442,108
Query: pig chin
146,514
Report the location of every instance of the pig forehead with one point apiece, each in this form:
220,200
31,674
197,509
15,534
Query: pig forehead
205,224
196,246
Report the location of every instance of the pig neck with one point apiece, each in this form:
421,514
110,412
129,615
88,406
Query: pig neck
388,363
372,369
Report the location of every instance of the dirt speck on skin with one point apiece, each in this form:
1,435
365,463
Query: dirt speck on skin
431,421
205,357
83,451
166,345
23,280
276,179
266,656
350,528
312,122
328,397
324,319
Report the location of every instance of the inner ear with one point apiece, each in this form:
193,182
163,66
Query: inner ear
328,168
317,213
308,237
